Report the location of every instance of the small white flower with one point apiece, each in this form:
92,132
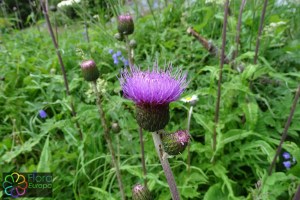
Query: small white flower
67,3
189,99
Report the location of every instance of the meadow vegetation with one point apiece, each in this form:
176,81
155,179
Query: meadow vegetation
255,102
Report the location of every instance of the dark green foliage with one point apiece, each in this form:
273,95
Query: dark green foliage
251,120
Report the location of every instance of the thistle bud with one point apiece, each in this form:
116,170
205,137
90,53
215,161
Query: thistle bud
175,143
115,127
119,36
53,8
125,24
132,44
89,70
152,117
140,192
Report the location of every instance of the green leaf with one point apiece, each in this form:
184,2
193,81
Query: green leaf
45,159
215,192
17,150
251,112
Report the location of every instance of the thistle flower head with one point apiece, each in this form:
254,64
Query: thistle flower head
140,192
125,24
153,87
89,70
152,91
175,143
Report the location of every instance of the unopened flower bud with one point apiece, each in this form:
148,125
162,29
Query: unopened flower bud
115,127
125,24
175,143
119,36
140,192
132,43
89,70
53,8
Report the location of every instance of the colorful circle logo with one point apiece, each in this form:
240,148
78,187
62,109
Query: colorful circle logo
15,185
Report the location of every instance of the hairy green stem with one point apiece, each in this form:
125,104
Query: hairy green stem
62,66
166,166
108,140
217,111
285,131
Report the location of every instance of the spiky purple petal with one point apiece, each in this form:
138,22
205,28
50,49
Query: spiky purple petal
156,86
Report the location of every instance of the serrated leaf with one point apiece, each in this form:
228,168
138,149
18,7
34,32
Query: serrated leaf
251,112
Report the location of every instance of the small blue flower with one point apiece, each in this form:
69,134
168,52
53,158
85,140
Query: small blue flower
287,164
110,51
286,155
126,63
43,114
115,56
116,61
119,53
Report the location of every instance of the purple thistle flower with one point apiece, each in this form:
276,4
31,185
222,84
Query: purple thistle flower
154,87
286,155
152,91
43,114
287,164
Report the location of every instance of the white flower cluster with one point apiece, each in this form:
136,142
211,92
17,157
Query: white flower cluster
219,2
67,3
269,29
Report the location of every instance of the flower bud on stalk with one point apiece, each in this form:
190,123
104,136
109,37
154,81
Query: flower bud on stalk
132,44
119,36
115,127
125,24
89,70
175,143
140,192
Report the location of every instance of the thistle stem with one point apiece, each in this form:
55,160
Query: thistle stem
285,131
217,111
261,23
129,51
62,66
238,30
143,156
108,140
166,166
131,64
188,130
297,195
